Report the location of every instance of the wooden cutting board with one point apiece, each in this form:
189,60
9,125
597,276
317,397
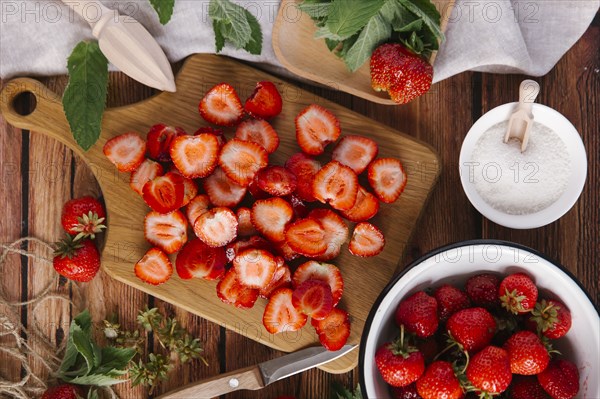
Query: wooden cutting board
125,244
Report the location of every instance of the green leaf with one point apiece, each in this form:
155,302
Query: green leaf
376,31
84,347
401,26
235,26
332,44
85,96
219,38
93,394
347,17
164,9
115,360
315,10
425,10
254,46
95,379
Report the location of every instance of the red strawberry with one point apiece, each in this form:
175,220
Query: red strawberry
276,181
304,168
210,130
216,227
365,207
271,216
300,210
357,152
76,260
551,318
329,273
337,185
439,381
400,72
336,231
197,207
472,328
147,171
281,279
265,102
245,226
190,188
260,132
315,128
240,160
63,391
450,300
167,231
255,268
489,370
126,151
367,240
195,156
223,191
231,291
387,178
83,217
221,106
419,314
518,293
428,347
527,353
527,387
398,363
313,298
306,237
333,330
407,392
196,259
154,268
159,140
165,193
283,249
560,379
483,289
280,314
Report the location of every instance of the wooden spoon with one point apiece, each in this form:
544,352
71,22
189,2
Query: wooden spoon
521,120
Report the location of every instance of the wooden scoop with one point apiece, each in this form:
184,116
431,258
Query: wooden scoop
521,119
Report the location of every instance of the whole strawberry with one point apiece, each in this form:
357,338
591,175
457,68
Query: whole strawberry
450,300
399,364
64,391
489,371
76,260
407,392
551,318
472,328
418,313
518,293
527,353
560,379
439,381
527,387
482,289
83,217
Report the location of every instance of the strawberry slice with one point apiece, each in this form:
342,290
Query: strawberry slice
280,314
195,156
337,185
357,152
231,291
223,191
260,132
265,102
313,298
271,216
336,231
126,151
148,170
387,178
256,191
159,140
216,227
166,231
197,207
281,279
315,128
329,273
304,168
367,240
245,226
300,210
306,237
165,193
196,259
241,245
255,267
365,207
154,268
218,133
240,160
283,249
190,190
333,330
221,106
276,180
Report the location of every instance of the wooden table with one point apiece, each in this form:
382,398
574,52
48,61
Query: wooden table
39,175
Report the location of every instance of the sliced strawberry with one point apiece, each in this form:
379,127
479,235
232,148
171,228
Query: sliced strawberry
271,216
218,133
256,191
240,160
231,291
283,249
165,193
216,227
241,245
245,226
159,140
336,231
365,207
306,237
265,102
337,185
276,180
260,132
300,210
313,298
223,191
154,268
367,240
197,207
255,267
221,106
281,279
387,178
356,152
166,231
304,168
148,170
195,156
315,128
126,151
333,330
196,259
329,273
190,190
280,314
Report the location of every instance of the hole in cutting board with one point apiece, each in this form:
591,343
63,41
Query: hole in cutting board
24,103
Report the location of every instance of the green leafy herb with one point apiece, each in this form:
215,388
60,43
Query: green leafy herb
164,9
347,17
85,96
426,10
373,34
236,25
341,392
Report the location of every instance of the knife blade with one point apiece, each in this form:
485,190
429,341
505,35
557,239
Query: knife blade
259,376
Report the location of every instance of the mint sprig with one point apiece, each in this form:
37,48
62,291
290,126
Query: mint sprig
235,25
164,9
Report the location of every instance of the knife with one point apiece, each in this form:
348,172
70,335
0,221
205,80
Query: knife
259,376
126,44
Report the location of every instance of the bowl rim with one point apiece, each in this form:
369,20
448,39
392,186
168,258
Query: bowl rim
434,252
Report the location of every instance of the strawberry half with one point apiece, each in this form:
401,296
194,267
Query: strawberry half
255,267
336,231
221,106
365,207
197,207
154,268
315,128
306,237
283,249
367,240
159,140
240,160
329,273
125,151
164,194
216,227
260,132
196,259
387,178
223,191
276,181
271,216
280,314
231,291
190,190
313,298
166,231
265,102
356,152
333,330
195,156
304,168
337,185
148,170
281,279
240,245
245,226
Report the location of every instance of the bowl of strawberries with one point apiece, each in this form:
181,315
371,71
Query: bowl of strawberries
482,319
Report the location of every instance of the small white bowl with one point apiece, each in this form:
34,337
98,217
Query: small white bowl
454,264
569,135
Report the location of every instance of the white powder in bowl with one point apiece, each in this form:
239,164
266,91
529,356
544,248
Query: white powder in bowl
520,183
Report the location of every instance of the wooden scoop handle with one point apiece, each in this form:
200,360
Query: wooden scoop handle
528,92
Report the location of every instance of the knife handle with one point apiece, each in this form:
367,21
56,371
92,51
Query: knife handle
91,10
248,378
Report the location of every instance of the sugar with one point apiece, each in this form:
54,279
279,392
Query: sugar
520,183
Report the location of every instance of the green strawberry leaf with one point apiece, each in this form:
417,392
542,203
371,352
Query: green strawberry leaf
164,9
400,25
82,342
254,46
376,31
115,360
426,10
348,17
95,379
